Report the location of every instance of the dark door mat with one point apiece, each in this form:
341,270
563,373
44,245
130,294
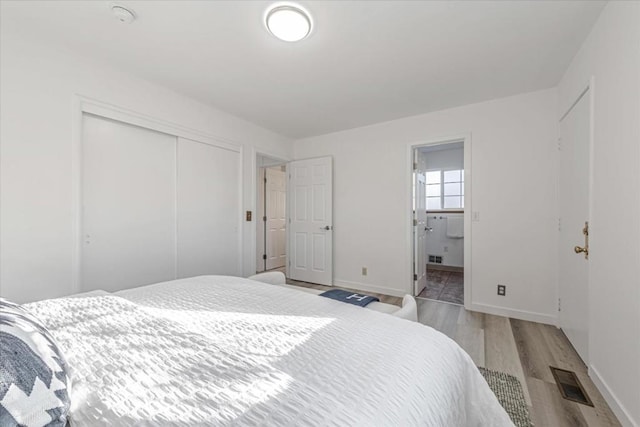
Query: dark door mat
570,387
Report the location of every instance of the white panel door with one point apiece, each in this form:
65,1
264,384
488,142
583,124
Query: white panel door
574,212
311,220
208,210
261,262
419,223
128,205
275,213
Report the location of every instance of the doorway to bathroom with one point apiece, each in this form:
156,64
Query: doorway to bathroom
439,183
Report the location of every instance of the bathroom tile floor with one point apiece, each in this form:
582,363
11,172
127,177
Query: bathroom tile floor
445,286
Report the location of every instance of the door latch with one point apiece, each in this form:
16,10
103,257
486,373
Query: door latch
584,249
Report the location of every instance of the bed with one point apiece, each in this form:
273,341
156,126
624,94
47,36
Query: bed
216,350
408,310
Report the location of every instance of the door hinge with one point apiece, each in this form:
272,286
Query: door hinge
265,180
415,222
264,256
264,218
415,165
559,144
415,277
559,305
559,224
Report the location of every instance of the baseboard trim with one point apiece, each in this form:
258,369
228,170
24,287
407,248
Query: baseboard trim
623,415
515,314
369,288
445,268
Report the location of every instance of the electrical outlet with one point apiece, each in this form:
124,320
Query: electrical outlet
475,216
446,249
502,290
364,271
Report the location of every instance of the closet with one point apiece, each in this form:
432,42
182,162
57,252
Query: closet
155,206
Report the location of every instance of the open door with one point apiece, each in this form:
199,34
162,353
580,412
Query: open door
275,218
419,222
573,307
311,220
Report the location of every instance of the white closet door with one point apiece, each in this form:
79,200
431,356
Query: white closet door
574,214
208,210
129,212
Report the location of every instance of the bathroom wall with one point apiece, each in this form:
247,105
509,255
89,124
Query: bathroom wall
451,250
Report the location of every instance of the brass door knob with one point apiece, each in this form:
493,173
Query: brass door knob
585,249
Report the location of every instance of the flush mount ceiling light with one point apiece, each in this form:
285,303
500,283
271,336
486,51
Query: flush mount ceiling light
288,22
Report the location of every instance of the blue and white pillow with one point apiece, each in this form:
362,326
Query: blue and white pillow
33,373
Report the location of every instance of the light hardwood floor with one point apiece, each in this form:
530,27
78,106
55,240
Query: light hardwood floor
520,348
525,350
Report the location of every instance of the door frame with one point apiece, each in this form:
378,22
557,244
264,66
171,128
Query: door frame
466,140
83,104
250,259
586,89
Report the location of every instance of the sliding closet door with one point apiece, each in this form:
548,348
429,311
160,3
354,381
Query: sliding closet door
208,209
129,210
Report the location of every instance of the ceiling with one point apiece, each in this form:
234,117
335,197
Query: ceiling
365,61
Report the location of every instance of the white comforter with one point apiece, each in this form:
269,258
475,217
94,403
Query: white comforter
219,350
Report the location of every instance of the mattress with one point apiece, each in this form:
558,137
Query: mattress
217,350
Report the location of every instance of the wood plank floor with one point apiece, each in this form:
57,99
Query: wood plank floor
525,350
519,348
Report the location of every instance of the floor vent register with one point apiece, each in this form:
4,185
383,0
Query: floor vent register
570,387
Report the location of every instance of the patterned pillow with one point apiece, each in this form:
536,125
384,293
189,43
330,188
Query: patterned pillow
33,373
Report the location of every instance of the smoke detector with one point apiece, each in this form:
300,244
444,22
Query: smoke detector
122,14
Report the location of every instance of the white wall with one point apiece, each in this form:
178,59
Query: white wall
611,54
450,249
513,157
38,84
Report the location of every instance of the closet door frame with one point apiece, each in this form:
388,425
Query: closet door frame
82,105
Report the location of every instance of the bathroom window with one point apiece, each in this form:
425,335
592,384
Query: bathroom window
445,189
